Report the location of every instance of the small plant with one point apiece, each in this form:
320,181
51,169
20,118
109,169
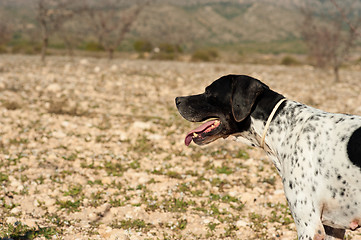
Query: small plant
224,170
19,230
288,61
96,199
173,174
280,214
136,224
135,164
168,51
270,180
3,178
181,224
71,157
258,221
74,191
205,55
114,169
70,206
230,231
175,205
242,154
142,46
11,104
93,46
212,226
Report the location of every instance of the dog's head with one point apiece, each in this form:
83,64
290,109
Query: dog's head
225,106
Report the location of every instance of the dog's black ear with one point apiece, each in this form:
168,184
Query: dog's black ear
245,91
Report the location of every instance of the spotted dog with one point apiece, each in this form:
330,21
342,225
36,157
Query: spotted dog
317,154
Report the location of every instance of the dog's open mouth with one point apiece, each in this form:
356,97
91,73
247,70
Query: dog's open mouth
201,134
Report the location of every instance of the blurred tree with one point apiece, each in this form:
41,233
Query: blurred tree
6,33
111,20
330,31
51,15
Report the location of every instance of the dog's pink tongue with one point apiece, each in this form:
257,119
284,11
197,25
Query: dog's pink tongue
199,129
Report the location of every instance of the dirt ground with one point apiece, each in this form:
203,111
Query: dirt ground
94,149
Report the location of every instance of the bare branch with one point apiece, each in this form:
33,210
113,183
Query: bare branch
345,18
51,15
328,42
112,21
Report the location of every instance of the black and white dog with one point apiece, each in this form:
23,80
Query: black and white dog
317,154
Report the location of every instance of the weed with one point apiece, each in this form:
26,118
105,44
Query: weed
280,214
96,199
242,154
151,202
217,182
3,179
228,199
135,164
6,206
247,182
19,230
184,187
114,169
70,206
230,231
71,157
74,191
18,141
142,145
224,170
95,182
288,60
238,207
175,175
214,197
136,224
271,180
258,222
212,226
10,104
181,224
175,205
205,55
116,202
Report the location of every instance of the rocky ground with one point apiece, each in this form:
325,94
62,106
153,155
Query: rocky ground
93,149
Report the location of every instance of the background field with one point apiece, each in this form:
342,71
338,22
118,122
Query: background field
93,149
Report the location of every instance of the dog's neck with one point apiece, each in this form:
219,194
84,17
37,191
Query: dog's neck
258,118
288,113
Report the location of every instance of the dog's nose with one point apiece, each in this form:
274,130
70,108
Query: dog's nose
177,100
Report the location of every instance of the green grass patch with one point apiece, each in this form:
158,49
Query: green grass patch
70,206
138,225
19,230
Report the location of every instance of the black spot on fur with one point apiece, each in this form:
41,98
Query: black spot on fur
354,148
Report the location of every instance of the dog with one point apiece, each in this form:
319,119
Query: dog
316,153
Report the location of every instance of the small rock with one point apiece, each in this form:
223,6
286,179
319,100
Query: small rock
11,220
59,134
84,62
54,87
241,223
15,210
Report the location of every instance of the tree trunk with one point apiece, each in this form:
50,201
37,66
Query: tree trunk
110,53
336,73
45,40
69,46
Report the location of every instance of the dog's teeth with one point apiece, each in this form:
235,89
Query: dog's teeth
195,134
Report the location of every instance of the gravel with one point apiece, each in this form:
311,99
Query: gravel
93,149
